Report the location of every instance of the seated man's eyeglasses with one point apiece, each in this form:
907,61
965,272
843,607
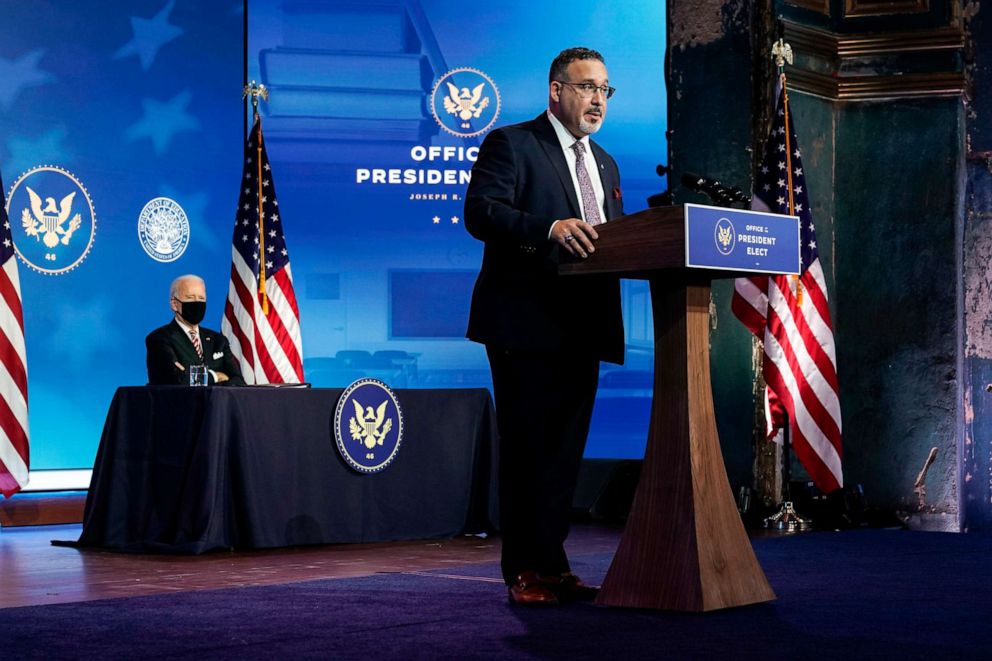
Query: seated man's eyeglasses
588,90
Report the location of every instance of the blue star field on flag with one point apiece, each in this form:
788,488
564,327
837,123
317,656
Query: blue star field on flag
775,175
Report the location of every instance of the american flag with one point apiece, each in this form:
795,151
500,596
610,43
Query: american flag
14,455
261,317
791,316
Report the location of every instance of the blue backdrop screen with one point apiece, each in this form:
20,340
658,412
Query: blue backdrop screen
375,114
374,121
136,101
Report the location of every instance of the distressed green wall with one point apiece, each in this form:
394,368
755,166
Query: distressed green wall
886,183
710,90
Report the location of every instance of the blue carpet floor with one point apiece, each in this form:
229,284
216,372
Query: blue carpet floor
851,595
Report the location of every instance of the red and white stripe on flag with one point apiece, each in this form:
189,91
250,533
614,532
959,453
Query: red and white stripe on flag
14,450
263,327
791,316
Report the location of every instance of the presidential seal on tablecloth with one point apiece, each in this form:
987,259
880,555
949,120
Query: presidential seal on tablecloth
368,425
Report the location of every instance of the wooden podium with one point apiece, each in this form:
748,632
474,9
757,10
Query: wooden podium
684,547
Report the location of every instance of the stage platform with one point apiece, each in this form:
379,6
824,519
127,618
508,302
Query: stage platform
841,595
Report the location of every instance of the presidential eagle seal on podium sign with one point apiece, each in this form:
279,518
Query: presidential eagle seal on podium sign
725,236
368,425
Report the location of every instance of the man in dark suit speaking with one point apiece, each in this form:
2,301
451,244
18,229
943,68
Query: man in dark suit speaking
539,188
182,342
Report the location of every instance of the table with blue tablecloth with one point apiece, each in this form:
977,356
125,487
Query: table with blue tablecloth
188,470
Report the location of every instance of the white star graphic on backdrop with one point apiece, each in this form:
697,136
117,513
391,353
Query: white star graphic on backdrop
19,73
436,219
162,120
149,36
454,220
195,206
48,147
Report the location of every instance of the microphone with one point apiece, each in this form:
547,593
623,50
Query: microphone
722,195
699,183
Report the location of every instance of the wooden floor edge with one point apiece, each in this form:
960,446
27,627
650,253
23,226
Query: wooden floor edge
42,509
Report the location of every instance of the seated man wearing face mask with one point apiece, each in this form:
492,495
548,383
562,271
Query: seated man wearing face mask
183,342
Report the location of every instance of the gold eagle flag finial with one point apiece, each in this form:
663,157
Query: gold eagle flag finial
255,90
782,52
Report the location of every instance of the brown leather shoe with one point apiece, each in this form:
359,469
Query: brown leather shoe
569,588
529,590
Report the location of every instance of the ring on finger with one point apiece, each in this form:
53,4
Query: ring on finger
569,237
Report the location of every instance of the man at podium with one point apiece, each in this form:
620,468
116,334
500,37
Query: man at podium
539,188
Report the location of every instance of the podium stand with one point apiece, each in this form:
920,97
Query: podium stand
684,547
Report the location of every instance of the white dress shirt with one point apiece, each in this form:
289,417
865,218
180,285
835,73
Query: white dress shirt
589,159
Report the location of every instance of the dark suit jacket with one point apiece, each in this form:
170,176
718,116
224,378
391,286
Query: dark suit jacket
521,185
170,344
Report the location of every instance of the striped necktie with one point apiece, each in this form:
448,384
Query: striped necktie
589,204
193,335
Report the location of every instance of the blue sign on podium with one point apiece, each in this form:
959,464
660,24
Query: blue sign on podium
739,240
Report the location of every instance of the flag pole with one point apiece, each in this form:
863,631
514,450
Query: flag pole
787,518
256,90
782,52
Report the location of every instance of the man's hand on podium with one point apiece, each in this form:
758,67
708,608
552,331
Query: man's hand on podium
575,235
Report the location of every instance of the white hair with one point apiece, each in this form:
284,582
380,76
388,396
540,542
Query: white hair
174,287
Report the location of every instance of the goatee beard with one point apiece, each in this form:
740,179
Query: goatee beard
588,128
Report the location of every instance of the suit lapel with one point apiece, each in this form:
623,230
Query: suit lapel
607,179
184,345
207,342
548,140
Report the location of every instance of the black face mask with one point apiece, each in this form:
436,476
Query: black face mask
193,311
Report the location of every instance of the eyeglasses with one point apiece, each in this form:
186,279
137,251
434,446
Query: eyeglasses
588,90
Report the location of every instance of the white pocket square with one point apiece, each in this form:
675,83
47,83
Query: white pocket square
218,354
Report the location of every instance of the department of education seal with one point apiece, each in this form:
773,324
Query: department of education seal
56,219
368,425
163,229
725,236
465,102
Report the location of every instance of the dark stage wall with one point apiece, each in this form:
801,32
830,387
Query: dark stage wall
880,100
